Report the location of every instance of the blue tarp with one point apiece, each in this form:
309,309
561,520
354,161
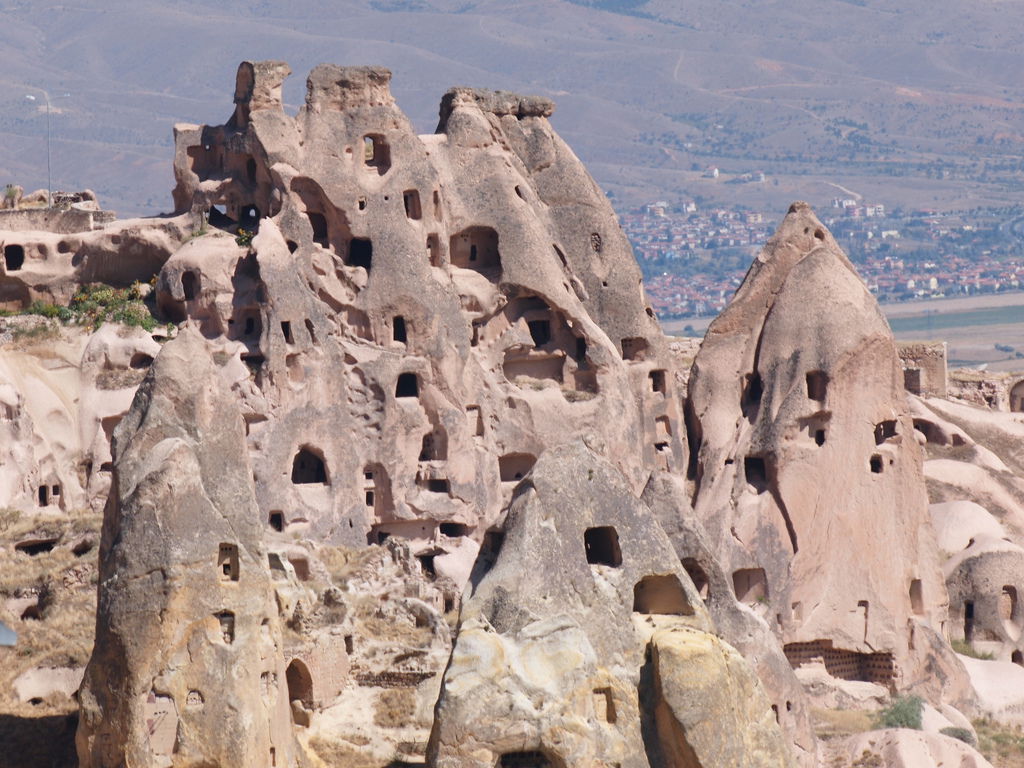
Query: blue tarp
7,635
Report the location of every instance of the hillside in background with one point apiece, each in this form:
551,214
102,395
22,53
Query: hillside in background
918,105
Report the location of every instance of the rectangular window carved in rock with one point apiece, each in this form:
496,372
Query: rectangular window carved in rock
817,385
412,204
658,381
226,621
227,562
602,546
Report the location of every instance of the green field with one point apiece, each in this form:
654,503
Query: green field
931,324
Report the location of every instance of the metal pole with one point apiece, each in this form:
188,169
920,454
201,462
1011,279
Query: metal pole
49,178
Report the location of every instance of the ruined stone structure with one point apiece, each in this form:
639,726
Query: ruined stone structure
924,367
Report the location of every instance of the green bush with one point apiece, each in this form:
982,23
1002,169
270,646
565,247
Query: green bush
51,311
904,712
962,734
96,304
244,237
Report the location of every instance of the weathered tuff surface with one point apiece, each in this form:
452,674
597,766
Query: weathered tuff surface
585,643
807,474
423,316
406,325
187,666
415,321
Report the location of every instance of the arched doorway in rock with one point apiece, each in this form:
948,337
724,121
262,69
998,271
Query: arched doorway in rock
300,683
1017,396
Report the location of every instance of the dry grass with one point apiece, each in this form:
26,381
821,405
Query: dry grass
395,708
120,379
840,723
66,585
343,563
341,754
1002,745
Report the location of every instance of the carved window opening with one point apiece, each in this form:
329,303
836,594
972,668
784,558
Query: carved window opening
189,284
476,419
602,546
885,430
286,331
756,473
438,485
513,467
249,217
308,468
540,332
1009,609
434,250
751,585
276,521
411,198
877,464
634,349
661,594
657,379
604,705
301,567
300,683
477,248
376,153
398,330
360,253
753,391
226,621
227,562
817,385
407,385
427,564
916,597
698,576
454,530
319,224
14,257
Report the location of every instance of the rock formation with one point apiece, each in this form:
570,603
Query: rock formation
187,666
412,473
585,643
806,472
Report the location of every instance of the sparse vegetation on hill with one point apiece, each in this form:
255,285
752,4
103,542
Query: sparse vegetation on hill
904,712
96,304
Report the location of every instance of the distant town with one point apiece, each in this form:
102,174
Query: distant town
694,256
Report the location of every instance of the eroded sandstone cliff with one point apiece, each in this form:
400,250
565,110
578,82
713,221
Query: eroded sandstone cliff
417,477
